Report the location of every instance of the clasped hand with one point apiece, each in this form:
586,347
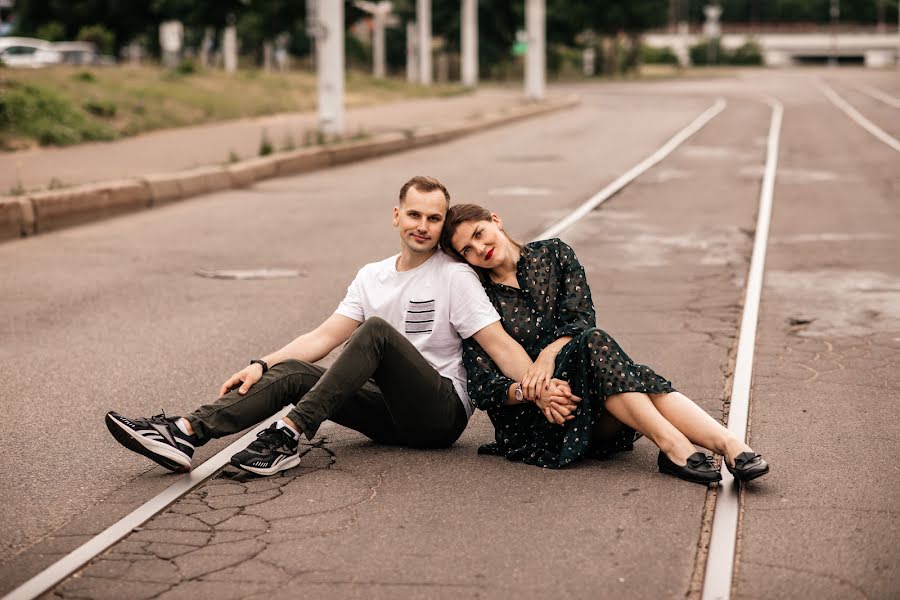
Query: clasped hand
552,396
557,402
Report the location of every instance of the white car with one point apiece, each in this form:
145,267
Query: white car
77,53
28,52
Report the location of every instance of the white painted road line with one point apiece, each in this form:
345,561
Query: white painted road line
73,561
629,176
857,116
45,580
717,582
879,95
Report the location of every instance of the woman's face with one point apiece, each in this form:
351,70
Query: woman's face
482,243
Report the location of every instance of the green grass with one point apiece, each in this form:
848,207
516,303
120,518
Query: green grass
68,105
40,113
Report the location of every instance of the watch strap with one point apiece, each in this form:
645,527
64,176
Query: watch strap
260,362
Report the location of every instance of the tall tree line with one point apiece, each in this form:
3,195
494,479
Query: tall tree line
261,20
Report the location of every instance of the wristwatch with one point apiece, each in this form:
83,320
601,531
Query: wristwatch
518,393
260,362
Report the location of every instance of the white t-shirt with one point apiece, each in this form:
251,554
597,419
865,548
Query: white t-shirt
434,306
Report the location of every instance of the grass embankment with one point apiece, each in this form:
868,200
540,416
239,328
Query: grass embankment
68,105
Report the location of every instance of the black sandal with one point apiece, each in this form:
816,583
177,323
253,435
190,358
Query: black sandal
747,466
699,468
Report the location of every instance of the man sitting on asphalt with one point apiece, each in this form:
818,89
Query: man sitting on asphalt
399,379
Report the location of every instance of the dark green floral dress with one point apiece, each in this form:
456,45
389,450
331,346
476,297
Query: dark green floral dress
555,301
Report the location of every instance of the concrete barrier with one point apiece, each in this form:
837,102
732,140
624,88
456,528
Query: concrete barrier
379,145
427,136
301,161
53,209
184,184
248,172
70,206
16,218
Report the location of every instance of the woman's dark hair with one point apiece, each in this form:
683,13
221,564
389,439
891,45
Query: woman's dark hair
456,216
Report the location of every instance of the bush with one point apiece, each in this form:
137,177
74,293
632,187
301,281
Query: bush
265,144
711,52
43,114
748,54
706,53
186,67
54,31
85,76
100,36
100,108
357,54
658,56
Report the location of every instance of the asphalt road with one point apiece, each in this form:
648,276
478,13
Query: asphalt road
113,315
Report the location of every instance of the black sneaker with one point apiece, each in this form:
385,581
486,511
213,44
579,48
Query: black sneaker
158,438
273,450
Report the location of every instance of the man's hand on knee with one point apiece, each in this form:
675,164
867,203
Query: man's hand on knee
244,378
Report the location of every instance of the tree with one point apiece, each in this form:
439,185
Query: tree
609,18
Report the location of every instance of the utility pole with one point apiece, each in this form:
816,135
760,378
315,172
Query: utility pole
469,43
412,53
330,65
423,18
379,12
535,59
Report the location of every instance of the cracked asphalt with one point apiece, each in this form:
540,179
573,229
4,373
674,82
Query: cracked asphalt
117,304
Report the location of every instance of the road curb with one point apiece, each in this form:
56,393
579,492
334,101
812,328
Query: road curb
55,209
26,215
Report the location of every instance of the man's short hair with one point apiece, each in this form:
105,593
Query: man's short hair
424,184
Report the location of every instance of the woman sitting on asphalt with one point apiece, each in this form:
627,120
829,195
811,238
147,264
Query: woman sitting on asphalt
542,295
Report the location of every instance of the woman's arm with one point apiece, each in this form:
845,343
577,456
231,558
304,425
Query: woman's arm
575,307
537,378
489,388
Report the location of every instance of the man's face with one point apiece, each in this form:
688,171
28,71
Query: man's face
420,219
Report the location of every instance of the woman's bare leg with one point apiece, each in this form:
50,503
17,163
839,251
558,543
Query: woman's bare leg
638,412
697,425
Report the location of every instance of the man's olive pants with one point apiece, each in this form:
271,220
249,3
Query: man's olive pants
380,385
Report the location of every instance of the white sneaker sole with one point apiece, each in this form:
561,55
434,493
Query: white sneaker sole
159,452
288,463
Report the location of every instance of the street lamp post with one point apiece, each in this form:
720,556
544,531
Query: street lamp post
469,43
423,18
412,53
329,29
535,60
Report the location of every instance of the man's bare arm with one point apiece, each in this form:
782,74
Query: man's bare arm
509,356
316,344
309,347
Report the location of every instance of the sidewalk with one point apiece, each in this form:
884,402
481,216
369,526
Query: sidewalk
184,148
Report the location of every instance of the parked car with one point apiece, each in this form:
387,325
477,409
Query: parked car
77,53
27,52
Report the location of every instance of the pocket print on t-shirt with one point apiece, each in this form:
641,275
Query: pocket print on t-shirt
420,316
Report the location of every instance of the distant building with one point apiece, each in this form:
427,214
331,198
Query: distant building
792,44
